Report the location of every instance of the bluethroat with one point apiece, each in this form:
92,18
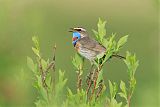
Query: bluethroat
84,45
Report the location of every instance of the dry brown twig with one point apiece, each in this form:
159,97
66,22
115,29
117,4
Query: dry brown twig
100,88
93,81
89,82
44,73
96,74
79,80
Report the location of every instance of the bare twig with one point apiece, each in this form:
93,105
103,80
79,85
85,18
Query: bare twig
53,67
43,75
129,99
50,65
119,56
100,87
95,80
46,71
92,80
79,80
89,81
40,65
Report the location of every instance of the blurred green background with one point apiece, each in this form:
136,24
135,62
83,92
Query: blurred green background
50,20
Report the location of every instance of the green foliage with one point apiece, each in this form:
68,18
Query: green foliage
132,64
111,47
113,89
36,42
51,93
101,31
60,84
123,88
109,43
121,42
76,100
36,49
30,64
100,77
113,103
77,61
43,80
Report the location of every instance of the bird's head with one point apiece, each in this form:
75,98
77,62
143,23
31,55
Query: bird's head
78,33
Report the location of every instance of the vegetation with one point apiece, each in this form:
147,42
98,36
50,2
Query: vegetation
92,93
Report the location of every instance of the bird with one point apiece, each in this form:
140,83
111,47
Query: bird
85,45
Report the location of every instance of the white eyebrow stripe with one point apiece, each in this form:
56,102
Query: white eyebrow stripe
80,28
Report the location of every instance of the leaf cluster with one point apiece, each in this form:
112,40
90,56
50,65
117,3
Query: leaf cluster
112,47
49,92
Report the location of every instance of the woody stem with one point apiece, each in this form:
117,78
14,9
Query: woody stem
95,80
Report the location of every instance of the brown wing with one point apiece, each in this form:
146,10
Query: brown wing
91,44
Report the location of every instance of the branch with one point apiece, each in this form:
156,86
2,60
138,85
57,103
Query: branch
53,67
79,80
118,56
100,87
45,72
95,80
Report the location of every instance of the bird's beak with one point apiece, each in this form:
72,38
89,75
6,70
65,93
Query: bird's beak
71,30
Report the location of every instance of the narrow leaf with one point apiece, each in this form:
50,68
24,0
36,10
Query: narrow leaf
36,52
111,89
123,88
35,41
30,63
122,41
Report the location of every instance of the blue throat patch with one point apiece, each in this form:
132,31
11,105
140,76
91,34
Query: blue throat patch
76,35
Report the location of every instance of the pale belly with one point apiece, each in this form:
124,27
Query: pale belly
88,54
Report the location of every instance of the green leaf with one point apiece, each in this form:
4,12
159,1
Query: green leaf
135,66
131,63
122,41
77,61
36,52
36,42
132,84
110,46
111,43
61,82
69,92
123,88
126,105
40,103
115,89
48,81
78,99
101,29
30,63
111,89
105,43
43,93
114,103
100,77
122,95
39,81
44,64
96,34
